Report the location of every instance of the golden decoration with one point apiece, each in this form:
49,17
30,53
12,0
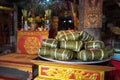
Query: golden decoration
31,45
6,8
64,74
43,34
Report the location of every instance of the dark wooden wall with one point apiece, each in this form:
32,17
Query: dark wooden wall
5,24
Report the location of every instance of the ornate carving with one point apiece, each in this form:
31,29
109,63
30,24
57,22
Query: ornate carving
31,45
93,13
26,40
70,74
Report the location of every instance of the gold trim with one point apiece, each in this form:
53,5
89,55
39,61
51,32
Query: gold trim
6,8
102,75
65,73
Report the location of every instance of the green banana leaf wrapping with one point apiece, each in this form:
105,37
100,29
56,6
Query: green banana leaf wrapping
52,43
60,34
84,36
44,51
94,45
109,51
69,36
71,45
61,54
92,55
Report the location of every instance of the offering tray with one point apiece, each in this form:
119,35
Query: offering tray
75,61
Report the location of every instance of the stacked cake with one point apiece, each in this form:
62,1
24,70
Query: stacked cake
77,45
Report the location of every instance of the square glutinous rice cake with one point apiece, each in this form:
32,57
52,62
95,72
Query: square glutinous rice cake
71,45
61,54
52,43
92,55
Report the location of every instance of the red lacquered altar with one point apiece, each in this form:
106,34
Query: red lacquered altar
29,41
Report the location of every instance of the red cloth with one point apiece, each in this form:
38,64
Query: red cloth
116,64
114,74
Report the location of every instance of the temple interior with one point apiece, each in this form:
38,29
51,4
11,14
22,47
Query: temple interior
59,40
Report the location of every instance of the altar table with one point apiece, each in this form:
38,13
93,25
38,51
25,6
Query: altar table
28,43
48,70
18,61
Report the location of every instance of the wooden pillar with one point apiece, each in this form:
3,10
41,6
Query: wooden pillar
53,27
15,23
90,17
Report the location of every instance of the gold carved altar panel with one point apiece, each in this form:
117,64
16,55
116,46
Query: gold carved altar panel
69,74
93,14
59,71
